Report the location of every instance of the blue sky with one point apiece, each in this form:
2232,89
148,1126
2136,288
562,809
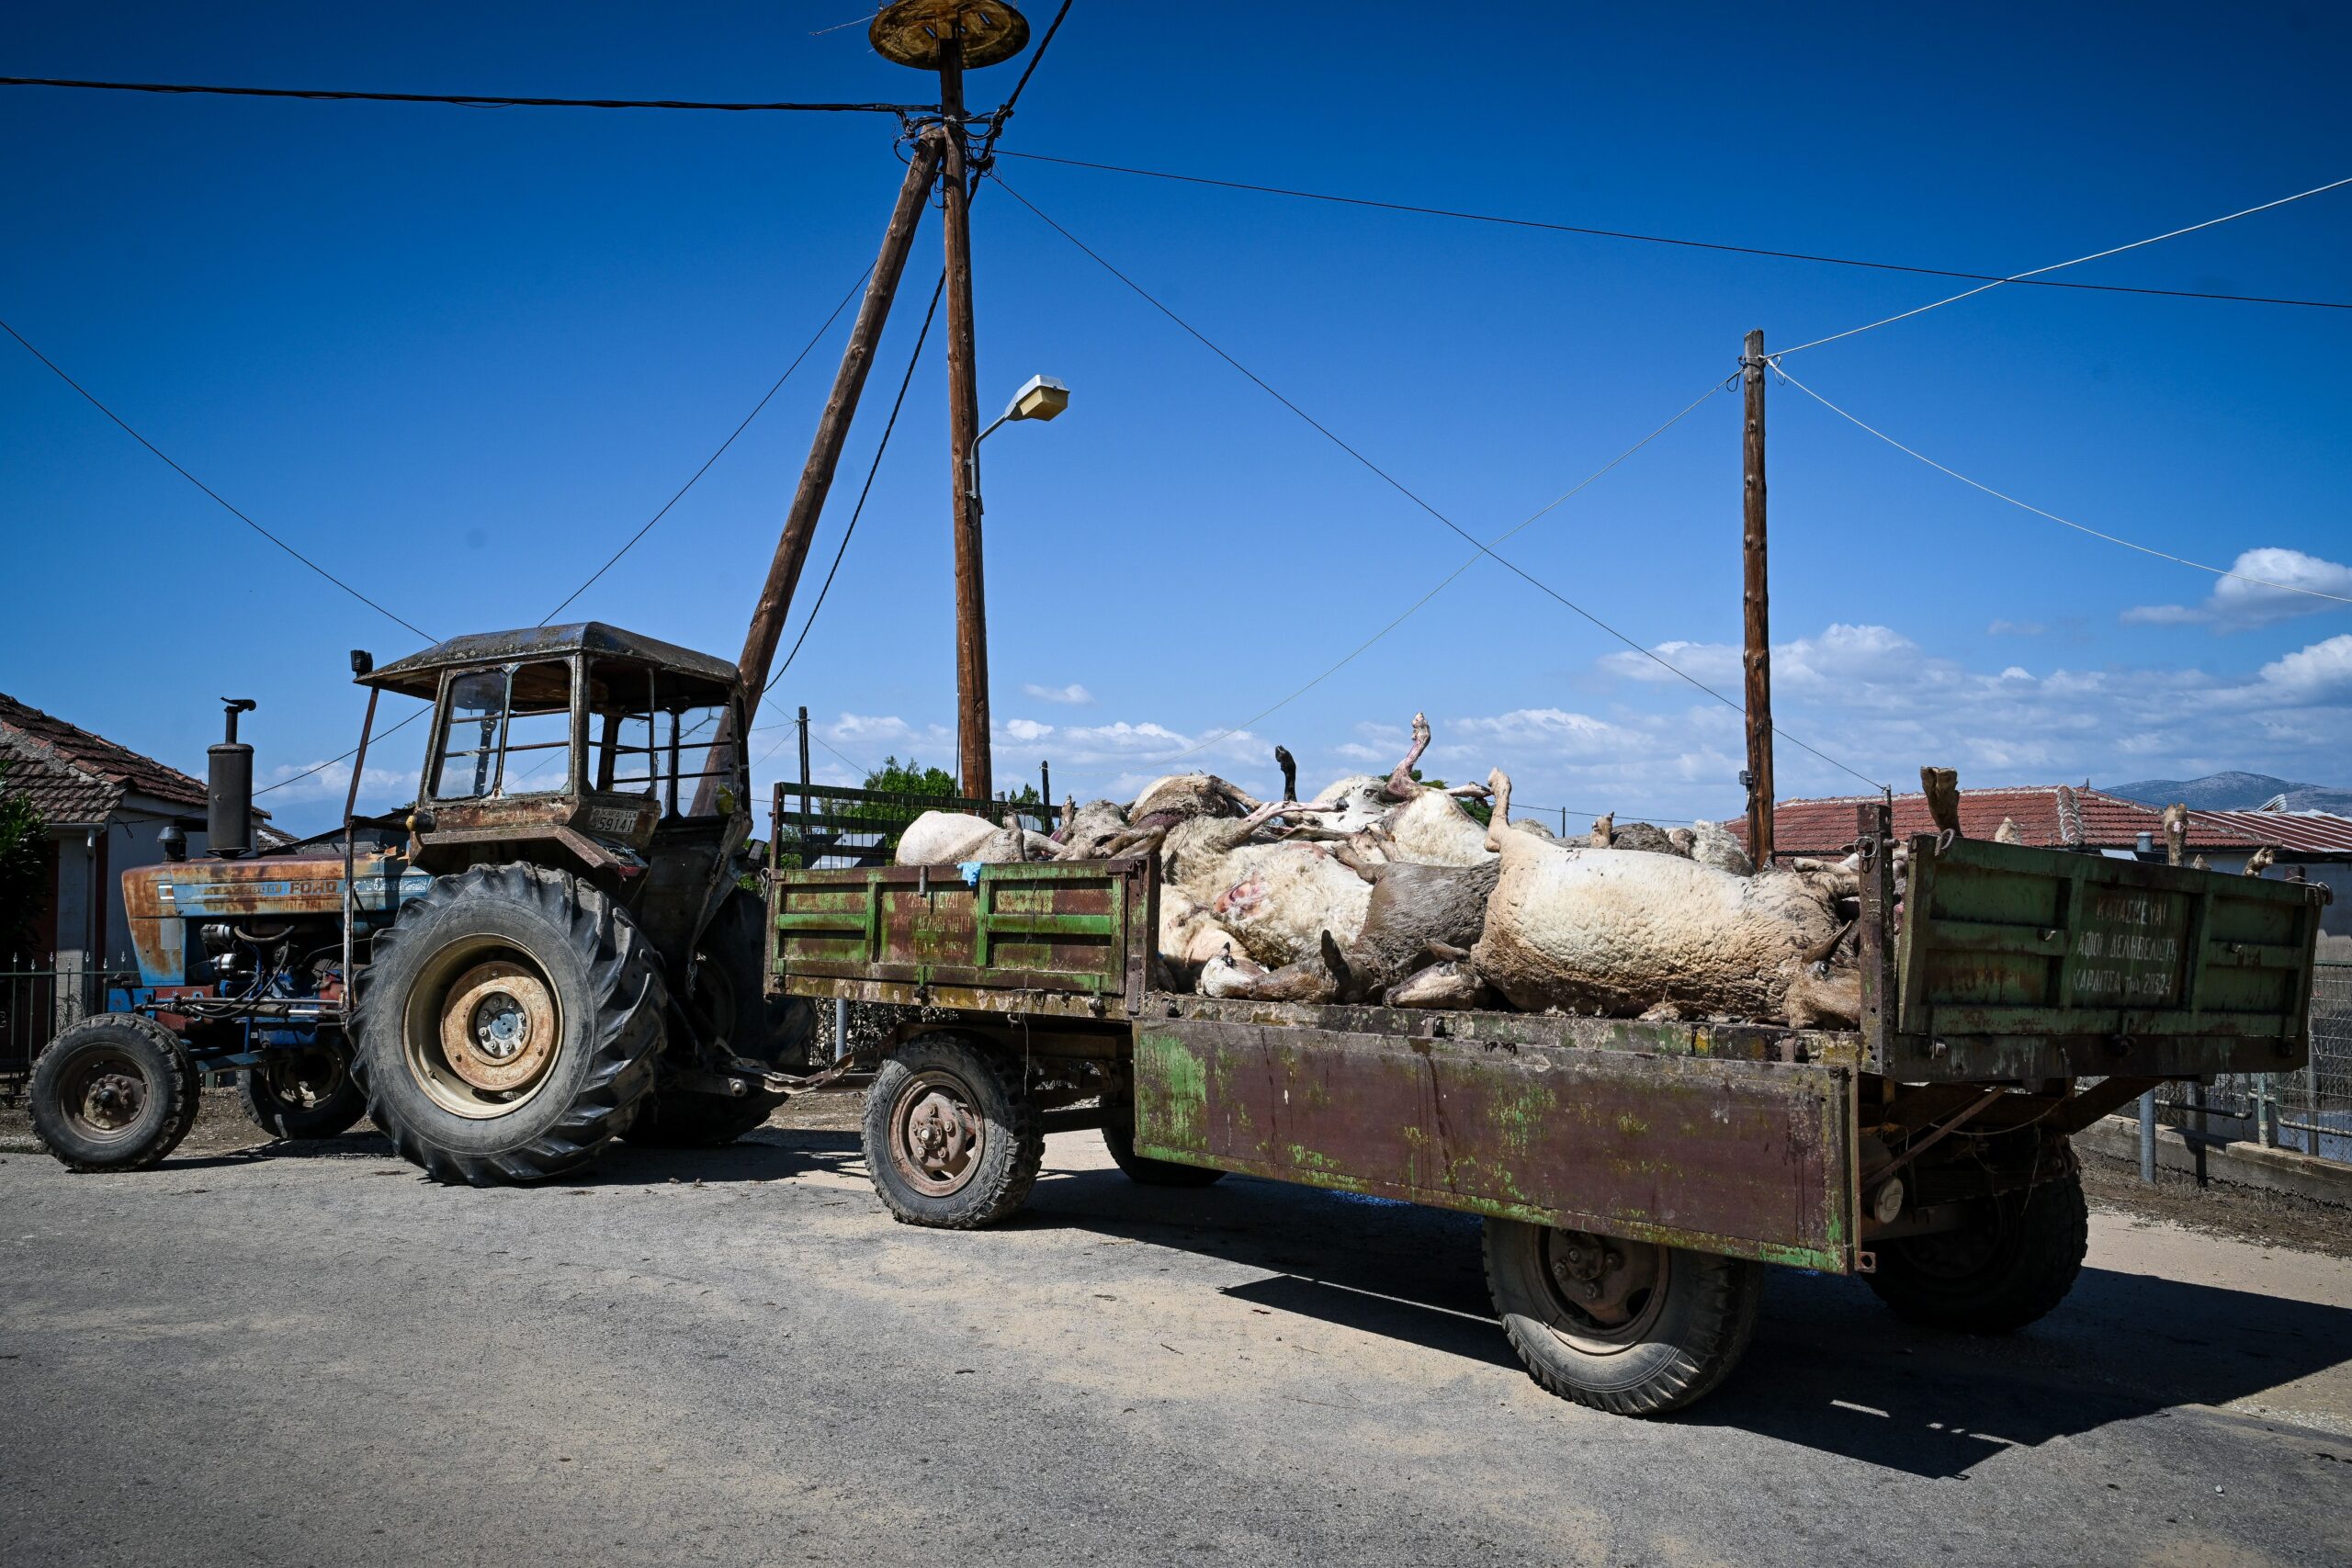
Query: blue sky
459,354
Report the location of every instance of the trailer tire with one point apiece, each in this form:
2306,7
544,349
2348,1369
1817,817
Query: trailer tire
114,1092
2012,1265
1119,1138
306,1093
507,1024
730,1005
951,1133
1656,1345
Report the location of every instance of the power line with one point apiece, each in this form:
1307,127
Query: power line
1686,243
714,457
1004,110
330,762
2055,266
2038,512
1408,494
467,99
876,467
1447,581
91,398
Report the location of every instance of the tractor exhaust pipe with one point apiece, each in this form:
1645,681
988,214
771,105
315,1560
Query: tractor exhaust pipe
228,789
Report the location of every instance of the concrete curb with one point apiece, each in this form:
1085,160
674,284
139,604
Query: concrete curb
21,1144
2226,1160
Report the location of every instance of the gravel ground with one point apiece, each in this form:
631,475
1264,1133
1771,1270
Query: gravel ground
304,1353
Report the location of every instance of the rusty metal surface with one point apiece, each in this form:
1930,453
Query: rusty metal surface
419,674
161,900
1724,1041
2018,962
1080,930
1751,1160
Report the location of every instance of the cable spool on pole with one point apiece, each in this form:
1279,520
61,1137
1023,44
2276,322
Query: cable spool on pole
952,37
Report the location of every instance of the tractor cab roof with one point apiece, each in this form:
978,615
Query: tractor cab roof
419,675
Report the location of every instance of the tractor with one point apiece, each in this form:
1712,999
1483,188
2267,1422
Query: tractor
553,949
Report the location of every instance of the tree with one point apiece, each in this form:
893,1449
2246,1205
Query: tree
23,865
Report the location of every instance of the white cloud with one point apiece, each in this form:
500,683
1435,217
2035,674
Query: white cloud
2250,599
1027,729
1074,694
2016,628
1875,700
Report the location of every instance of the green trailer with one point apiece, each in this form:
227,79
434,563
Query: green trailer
1634,1176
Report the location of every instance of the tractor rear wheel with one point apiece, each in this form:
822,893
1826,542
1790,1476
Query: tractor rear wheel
2012,1262
303,1093
730,1006
951,1133
115,1092
507,1024
1626,1326
1119,1140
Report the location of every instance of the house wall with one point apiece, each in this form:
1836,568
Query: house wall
132,838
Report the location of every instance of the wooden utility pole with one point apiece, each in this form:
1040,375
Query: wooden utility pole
833,428
1755,599
972,726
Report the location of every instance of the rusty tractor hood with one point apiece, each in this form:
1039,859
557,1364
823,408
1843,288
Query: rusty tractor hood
162,900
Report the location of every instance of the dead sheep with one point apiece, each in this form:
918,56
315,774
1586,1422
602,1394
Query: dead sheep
1622,933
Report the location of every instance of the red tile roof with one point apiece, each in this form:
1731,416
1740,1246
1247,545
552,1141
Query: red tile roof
2294,832
75,776
1826,827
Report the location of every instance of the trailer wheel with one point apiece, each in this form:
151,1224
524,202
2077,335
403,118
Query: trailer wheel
1119,1137
730,1005
305,1093
951,1133
507,1024
1631,1328
114,1092
2012,1263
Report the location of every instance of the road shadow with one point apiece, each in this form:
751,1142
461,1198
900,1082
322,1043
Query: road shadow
766,1155
763,1155
1831,1369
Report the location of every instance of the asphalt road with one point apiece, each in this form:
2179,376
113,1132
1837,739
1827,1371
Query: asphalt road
313,1356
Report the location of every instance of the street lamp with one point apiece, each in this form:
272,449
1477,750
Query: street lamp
1040,396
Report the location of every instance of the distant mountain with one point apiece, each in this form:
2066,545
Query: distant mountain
2235,792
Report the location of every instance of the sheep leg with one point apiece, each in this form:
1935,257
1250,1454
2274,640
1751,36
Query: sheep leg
1469,792
1941,786
1500,819
1402,786
1289,765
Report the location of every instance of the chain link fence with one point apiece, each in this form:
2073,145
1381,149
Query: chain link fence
2308,1110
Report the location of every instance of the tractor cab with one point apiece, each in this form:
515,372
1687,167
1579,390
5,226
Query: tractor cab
587,749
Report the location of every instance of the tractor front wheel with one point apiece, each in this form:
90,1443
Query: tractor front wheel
115,1092
306,1092
507,1025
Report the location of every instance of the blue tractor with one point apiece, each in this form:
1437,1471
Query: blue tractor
556,947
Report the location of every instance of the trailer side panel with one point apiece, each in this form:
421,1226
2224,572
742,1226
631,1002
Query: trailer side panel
1752,1159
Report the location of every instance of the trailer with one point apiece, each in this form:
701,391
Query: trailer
1633,1177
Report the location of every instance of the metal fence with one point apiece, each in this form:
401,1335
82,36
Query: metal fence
36,1002
828,825
2308,1111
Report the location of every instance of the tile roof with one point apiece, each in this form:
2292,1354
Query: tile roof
2294,832
1826,827
76,777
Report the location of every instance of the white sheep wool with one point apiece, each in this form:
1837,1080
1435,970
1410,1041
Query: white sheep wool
1431,828
1622,931
1278,899
943,838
